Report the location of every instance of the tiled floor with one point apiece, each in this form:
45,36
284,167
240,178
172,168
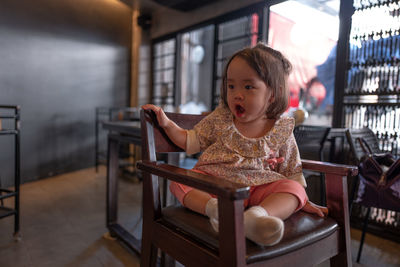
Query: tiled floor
63,221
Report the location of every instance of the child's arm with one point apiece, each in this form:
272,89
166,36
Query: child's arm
174,132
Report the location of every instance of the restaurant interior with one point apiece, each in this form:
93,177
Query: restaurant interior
78,150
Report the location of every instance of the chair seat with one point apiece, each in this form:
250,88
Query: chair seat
301,229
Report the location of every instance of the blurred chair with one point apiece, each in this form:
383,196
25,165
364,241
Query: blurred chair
368,135
358,153
188,237
311,139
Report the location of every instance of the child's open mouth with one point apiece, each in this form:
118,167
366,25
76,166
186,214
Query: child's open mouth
239,110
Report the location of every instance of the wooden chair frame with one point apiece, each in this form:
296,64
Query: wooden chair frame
233,249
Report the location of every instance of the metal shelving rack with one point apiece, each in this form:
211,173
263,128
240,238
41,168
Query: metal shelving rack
8,112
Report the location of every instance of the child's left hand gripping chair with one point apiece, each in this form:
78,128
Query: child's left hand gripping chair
189,238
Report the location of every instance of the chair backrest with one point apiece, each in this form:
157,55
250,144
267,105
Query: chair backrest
157,136
368,135
309,135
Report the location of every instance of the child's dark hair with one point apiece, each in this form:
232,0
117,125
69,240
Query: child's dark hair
273,68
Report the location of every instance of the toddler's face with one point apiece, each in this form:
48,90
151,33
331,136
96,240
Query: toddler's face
248,96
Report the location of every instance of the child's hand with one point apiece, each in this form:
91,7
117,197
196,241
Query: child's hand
274,160
162,119
177,134
315,209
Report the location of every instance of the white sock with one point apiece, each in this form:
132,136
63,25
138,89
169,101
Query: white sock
261,228
212,212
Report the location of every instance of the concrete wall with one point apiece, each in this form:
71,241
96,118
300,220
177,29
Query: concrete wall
59,60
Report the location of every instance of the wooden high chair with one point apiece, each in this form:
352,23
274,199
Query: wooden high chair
189,238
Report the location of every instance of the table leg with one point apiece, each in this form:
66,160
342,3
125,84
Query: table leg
115,229
112,181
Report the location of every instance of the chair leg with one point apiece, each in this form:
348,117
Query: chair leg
365,224
166,260
149,256
149,251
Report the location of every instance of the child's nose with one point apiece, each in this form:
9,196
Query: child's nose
239,94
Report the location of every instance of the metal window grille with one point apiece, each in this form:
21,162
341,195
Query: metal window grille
371,96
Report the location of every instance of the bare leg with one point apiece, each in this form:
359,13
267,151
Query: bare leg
196,200
280,205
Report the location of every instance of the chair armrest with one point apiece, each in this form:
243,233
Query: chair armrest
327,167
210,184
336,193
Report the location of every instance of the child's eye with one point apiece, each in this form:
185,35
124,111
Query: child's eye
230,86
248,86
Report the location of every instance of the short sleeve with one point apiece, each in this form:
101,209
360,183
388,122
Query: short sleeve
192,142
291,166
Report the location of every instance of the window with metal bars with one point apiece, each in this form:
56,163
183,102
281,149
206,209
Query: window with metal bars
232,36
174,72
164,66
371,95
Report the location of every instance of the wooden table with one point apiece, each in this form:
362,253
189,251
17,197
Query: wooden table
119,132
124,132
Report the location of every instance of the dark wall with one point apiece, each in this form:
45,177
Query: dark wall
58,61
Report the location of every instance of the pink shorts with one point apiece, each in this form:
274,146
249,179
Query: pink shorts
257,193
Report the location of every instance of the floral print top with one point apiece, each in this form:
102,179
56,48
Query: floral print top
230,155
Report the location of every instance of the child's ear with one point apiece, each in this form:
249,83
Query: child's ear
271,98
